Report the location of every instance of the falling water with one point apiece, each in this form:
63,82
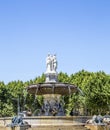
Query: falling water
81,92
69,89
25,97
53,89
35,96
62,105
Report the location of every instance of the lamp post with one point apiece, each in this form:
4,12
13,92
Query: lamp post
18,105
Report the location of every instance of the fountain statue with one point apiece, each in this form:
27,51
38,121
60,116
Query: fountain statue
51,66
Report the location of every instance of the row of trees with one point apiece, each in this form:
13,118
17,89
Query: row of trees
94,98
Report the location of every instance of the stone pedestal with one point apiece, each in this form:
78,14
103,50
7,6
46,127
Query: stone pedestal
97,127
51,77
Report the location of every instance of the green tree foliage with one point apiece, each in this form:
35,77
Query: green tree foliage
94,100
63,77
6,106
98,93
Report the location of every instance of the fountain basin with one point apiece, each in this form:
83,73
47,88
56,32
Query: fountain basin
50,123
52,88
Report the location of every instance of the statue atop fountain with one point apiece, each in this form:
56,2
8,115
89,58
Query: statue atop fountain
51,66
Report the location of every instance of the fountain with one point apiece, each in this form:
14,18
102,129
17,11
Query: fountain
52,90
52,114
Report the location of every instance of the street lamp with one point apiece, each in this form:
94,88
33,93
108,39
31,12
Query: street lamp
18,104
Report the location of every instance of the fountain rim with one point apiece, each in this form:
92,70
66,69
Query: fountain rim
64,88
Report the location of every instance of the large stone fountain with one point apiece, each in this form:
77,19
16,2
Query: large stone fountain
52,114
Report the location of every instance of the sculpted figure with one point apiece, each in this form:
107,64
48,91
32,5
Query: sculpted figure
51,63
48,63
54,63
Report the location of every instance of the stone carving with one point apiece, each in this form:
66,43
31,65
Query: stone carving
52,108
54,63
51,63
96,119
18,121
51,66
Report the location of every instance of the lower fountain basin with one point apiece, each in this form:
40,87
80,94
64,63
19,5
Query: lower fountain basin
50,123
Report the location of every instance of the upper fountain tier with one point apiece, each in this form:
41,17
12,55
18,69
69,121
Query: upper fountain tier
52,88
51,85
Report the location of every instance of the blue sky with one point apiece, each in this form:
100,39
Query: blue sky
77,31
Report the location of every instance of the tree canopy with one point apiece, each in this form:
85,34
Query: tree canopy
94,97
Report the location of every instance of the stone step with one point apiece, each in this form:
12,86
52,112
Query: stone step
97,127
75,127
58,128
